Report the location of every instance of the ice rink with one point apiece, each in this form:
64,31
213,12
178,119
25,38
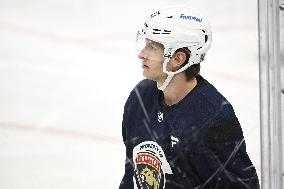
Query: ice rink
66,69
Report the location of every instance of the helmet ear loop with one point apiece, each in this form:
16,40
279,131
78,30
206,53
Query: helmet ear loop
168,53
170,74
207,44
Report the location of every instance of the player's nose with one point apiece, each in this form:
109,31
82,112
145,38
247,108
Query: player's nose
142,54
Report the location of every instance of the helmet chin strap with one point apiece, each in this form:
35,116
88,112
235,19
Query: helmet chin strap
171,74
166,82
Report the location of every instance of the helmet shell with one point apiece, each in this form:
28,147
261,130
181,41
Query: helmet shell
177,27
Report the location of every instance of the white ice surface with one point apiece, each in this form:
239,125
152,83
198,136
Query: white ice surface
66,69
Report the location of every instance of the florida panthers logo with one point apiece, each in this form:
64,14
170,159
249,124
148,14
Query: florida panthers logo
148,170
150,166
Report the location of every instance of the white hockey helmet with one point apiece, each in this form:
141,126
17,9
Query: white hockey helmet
177,27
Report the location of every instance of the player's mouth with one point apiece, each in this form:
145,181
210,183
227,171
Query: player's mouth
144,66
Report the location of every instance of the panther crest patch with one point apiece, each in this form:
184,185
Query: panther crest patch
150,166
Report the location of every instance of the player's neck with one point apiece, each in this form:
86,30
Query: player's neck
178,88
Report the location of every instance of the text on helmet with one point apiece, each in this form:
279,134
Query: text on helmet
155,14
182,16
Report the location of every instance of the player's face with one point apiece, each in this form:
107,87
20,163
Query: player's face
152,61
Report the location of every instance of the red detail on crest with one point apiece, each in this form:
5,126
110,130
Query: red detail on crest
149,159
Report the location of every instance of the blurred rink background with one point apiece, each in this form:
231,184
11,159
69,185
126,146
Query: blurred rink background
67,67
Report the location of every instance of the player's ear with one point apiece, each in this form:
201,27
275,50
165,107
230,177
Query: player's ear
179,59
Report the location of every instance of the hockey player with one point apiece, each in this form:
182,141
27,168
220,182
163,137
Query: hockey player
179,131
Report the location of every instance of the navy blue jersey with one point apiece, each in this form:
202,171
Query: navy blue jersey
196,143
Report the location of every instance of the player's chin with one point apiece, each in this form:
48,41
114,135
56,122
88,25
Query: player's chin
147,74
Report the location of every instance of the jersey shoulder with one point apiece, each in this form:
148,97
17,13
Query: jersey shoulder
144,92
225,126
213,99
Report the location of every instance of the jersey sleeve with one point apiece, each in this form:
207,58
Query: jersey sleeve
221,160
127,180
145,88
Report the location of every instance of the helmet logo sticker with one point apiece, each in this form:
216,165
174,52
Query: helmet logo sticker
182,16
168,54
155,14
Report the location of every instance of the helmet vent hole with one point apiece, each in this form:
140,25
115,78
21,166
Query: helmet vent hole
167,32
156,31
206,36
